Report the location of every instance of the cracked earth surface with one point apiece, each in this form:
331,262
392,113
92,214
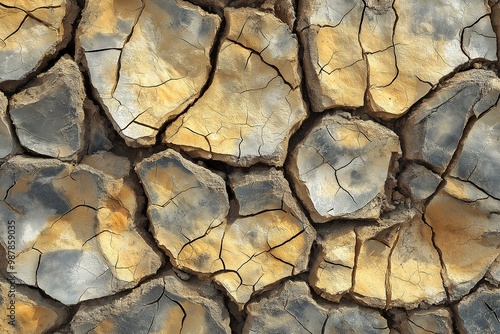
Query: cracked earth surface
249,166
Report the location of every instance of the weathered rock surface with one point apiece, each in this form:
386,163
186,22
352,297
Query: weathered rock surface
418,182
432,132
466,227
31,33
379,49
432,320
291,309
48,115
75,232
28,310
478,312
163,305
254,102
340,168
148,60
7,141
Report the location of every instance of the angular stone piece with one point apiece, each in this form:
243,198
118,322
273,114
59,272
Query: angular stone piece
340,168
466,226
478,312
28,310
418,182
188,207
291,309
7,141
132,51
163,305
493,273
269,240
432,320
479,160
108,163
75,231
31,33
48,115
432,132
99,134
254,103
379,49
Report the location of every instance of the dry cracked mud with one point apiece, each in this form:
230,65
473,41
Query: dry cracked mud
249,166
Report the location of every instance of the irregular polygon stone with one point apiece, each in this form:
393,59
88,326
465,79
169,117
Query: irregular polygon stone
108,163
493,273
418,182
31,32
75,232
378,49
432,320
479,160
466,226
432,132
148,60
478,312
269,240
188,206
254,103
99,134
291,309
48,115
6,136
340,168
26,311
163,305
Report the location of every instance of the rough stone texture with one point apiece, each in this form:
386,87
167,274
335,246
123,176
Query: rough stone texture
254,102
329,167
432,132
466,227
7,141
163,305
32,313
418,182
379,49
432,320
75,232
48,115
148,60
478,312
291,309
31,33
493,273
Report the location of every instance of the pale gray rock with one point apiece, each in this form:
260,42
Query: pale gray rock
493,273
7,141
432,320
340,168
418,182
478,312
48,115
99,135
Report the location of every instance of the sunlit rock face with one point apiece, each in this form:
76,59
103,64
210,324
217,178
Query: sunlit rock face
254,101
75,232
147,60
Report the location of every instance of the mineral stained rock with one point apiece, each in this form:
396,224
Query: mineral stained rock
418,182
31,33
75,232
432,320
148,60
291,309
28,310
466,226
254,103
7,141
340,168
432,132
162,305
48,115
379,49
478,312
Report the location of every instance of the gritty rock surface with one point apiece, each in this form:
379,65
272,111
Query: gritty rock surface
432,320
418,182
163,305
147,60
478,312
329,168
48,115
258,75
7,141
76,235
31,33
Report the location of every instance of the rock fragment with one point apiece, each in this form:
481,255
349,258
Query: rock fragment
340,168
163,305
254,103
48,115
432,320
75,232
31,33
478,312
131,50
418,182
7,141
